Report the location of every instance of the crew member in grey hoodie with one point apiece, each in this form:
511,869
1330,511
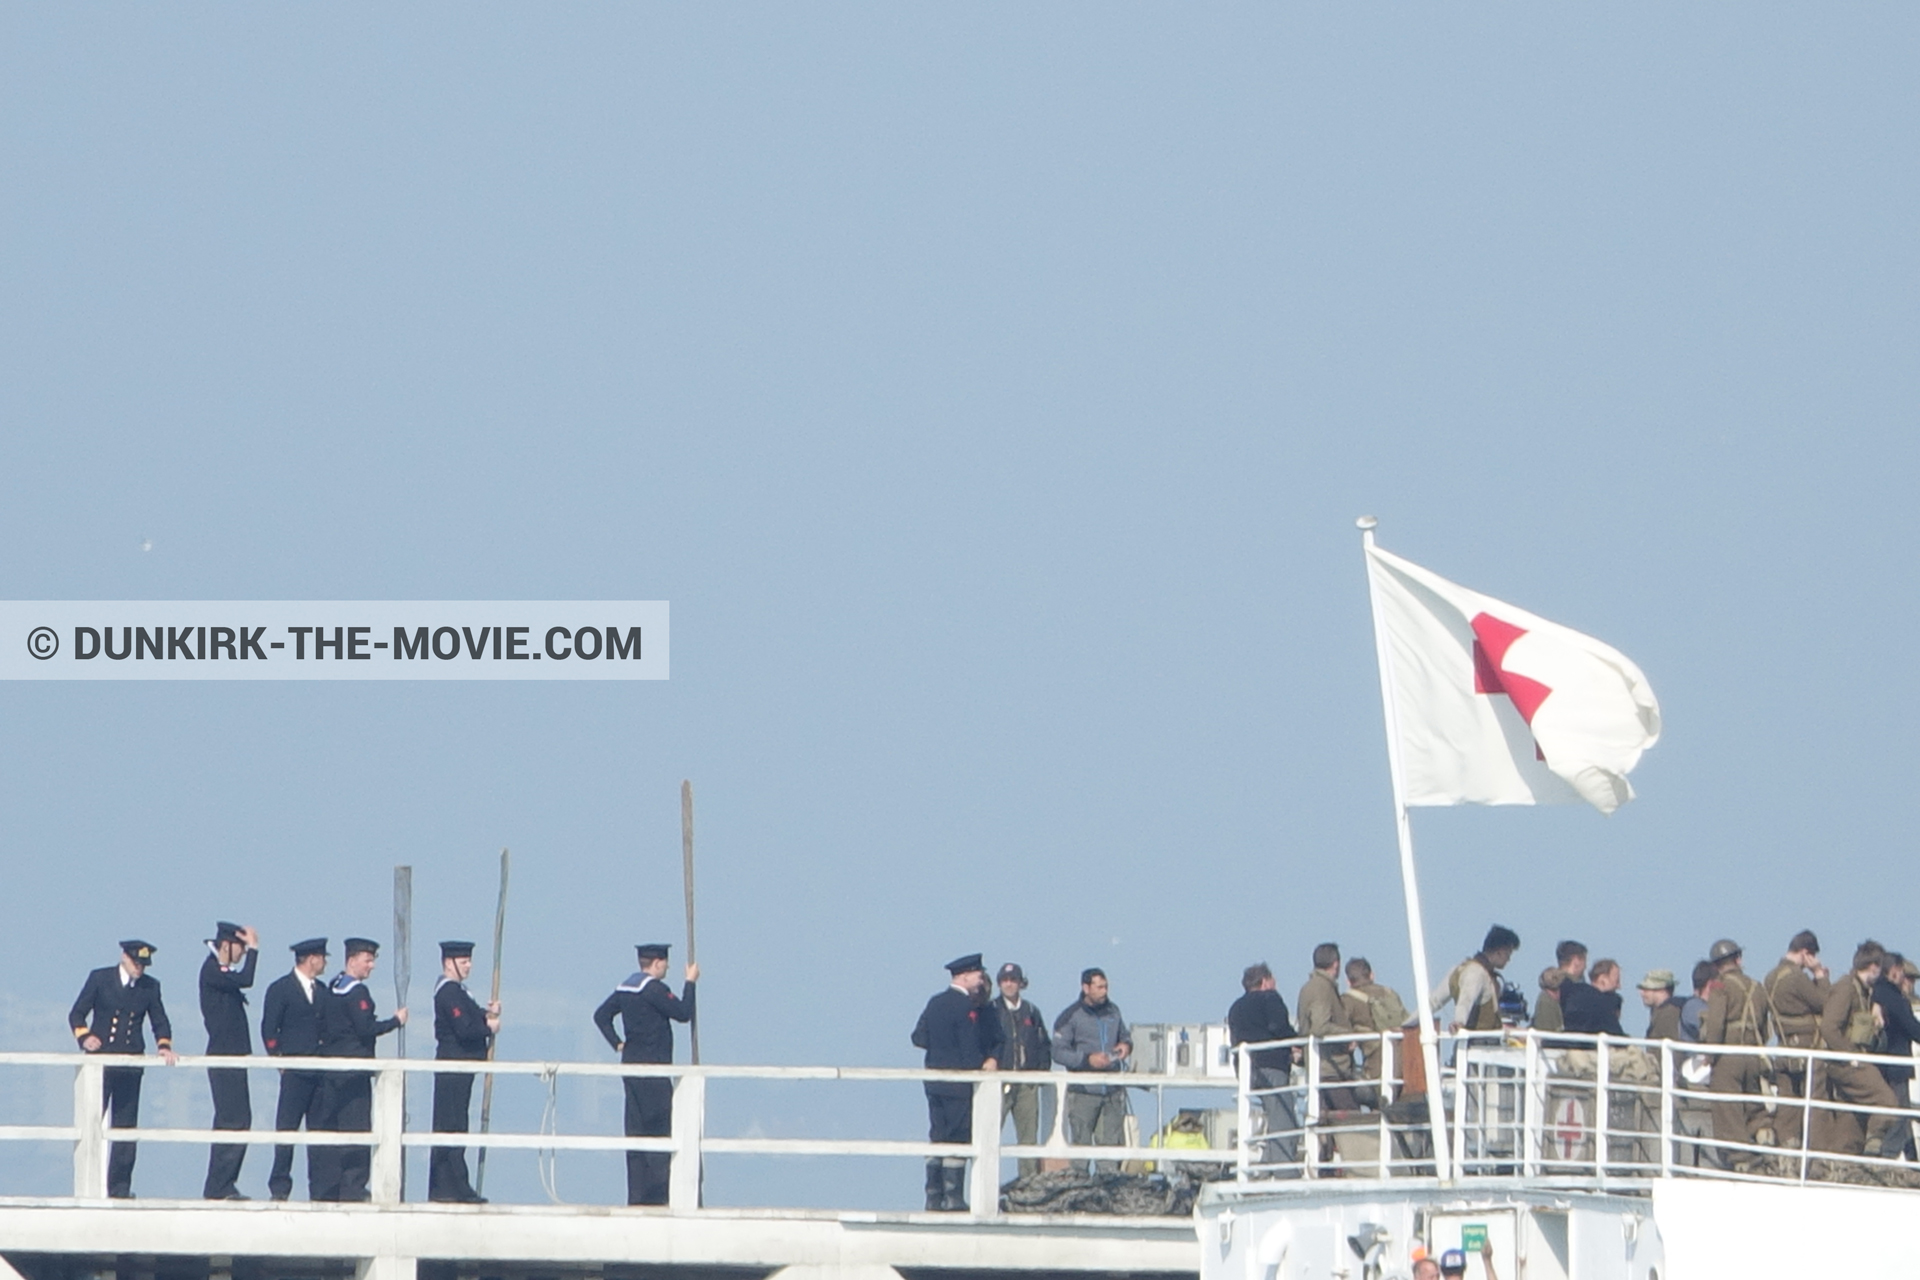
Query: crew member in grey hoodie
1091,1036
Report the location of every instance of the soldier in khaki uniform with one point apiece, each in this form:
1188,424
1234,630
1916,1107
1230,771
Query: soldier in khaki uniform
1372,1007
1736,1015
1797,993
1472,987
1851,1023
1663,1011
1321,1012
1547,1015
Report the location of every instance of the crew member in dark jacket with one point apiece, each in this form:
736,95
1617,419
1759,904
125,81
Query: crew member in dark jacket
1593,1007
1259,1016
1894,994
1025,1045
106,1019
647,1010
290,1028
348,1029
225,976
959,1033
462,1032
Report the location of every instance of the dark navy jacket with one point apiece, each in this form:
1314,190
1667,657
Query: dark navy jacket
223,1004
348,1027
648,1009
459,1024
1259,1016
289,1023
1589,1011
1902,1030
112,1009
958,1035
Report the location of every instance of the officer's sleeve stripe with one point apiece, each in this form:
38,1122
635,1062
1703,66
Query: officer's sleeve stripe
80,1033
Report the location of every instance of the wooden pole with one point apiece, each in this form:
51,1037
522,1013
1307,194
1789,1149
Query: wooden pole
402,973
686,866
486,1090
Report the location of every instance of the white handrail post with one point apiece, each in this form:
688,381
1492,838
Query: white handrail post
1462,1057
1310,1122
389,1156
1386,1079
1602,1106
1057,1131
90,1132
984,1195
1666,1108
1243,1068
1806,1118
689,1130
1532,1108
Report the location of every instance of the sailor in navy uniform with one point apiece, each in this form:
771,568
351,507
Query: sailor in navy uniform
647,1010
960,1032
349,1028
290,1028
106,1020
462,1032
225,975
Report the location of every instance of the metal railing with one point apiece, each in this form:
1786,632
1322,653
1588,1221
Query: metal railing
390,1136
1606,1112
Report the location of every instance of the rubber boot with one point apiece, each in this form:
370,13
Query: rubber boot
956,1187
936,1186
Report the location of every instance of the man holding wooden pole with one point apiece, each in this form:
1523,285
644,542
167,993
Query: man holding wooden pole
462,1031
648,1011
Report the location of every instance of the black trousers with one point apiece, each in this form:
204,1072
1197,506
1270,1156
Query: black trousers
949,1115
447,1177
232,1109
300,1099
649,1115
121,1096
346,1106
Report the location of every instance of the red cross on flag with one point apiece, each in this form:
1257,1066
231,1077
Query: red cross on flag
1496,706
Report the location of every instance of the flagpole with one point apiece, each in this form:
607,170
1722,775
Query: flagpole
1416,930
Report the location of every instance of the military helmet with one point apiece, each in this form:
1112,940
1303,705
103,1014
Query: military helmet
1724,949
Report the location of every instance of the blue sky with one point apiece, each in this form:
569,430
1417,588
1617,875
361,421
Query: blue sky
991,391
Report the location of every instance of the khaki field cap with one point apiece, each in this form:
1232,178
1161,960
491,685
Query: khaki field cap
1658,980
1723,949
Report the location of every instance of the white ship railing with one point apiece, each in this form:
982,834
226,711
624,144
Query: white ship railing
1562,1109
90,1135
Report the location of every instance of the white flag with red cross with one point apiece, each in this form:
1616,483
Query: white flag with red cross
1494,705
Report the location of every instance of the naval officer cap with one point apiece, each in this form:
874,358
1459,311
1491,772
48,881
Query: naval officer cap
142,952
456,950
354,946
966,964
652,950
311,947
225,931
